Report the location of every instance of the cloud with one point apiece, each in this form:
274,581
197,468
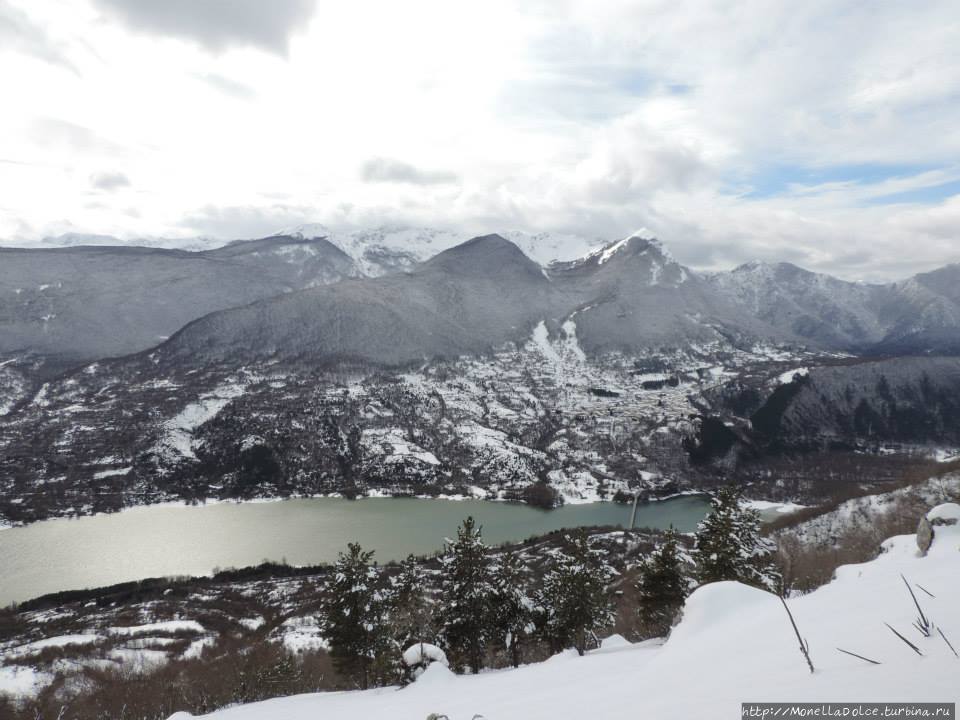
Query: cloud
734,129
18,32
396,171
228,86
47,131
216,24
245,221
109,181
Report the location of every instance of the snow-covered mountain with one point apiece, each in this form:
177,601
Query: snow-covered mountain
921,314
73,239
476,296
736,643
387,249
815,306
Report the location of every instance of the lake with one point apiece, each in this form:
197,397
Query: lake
85,552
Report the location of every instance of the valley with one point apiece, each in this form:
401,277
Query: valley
382,403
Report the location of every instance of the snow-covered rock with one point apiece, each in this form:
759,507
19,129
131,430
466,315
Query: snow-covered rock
945,514
424,654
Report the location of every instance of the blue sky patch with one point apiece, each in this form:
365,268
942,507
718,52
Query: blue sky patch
930,194
777,179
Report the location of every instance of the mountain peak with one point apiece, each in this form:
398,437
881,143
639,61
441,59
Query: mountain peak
635,244
486,255
639,256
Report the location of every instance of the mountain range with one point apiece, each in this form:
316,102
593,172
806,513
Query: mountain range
283,295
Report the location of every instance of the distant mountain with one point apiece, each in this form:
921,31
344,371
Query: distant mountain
73,239
383,250
924,313
86,302
830,312
919,315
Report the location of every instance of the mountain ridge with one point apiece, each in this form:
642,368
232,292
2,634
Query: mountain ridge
627,295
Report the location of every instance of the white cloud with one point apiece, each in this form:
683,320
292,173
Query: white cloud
568,115
19,33
388,170
109,181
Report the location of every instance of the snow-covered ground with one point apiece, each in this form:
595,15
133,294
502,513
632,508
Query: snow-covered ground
769,509
179,430
22,681
790,375
169,626
734,644
867,511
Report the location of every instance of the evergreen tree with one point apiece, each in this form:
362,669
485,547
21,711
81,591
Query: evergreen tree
662,587
729,545
466,590
511,608
354,620
410,615
575,597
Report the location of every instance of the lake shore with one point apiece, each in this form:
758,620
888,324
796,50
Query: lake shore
177,539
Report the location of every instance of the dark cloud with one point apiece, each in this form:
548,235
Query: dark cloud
109,181
387,170
216,24
18,32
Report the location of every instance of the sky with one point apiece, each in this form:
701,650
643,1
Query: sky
824,133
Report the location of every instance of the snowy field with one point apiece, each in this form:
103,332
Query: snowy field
734,644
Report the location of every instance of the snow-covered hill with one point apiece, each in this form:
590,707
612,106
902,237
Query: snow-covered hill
734,644
81,303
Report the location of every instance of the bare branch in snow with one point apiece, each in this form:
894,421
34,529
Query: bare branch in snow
915,648
861,657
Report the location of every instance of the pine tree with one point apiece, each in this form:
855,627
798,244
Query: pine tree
661,587
575,597
729,545
354,620
511,608
466,589
410,615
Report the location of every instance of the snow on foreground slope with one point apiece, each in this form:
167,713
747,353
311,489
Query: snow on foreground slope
734,644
